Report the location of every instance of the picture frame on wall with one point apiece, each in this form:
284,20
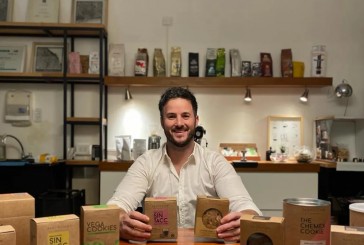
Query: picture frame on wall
285,131
46,11
6,10
48,57
90,11
12,58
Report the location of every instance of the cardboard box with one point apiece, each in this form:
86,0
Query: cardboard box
209,212
7,235
347,235
61,229
162,212
100,224
17,209
261,230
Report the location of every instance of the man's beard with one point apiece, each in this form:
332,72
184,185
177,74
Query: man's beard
183,143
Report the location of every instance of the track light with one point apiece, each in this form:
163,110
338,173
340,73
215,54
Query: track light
304,96
248,95
128,94
343,90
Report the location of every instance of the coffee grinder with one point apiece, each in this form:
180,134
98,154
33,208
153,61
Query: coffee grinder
154,142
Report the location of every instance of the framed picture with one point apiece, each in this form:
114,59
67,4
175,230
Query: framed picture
90,11
285,133
6,10
48,57
12,58
43,11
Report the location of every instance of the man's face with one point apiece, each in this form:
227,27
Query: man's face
179,122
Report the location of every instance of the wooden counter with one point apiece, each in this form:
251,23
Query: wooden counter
263,166
185,237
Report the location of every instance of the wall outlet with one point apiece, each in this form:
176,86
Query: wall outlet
37,116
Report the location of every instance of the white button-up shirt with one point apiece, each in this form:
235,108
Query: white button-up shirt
205,173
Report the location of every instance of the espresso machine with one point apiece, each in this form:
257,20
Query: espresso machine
154,142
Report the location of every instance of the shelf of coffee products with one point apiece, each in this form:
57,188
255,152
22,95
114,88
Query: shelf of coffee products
218,81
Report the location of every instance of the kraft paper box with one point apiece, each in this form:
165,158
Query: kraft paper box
7,235
209,212
60,229
347,235
261,230
17,209
100,224
162,212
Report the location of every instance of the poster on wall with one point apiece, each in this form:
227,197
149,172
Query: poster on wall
285,133
12,58
48,57
90,11
46,11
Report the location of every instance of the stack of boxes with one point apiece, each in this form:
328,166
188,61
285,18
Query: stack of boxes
99,224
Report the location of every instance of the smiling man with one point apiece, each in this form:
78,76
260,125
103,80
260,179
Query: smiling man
183,169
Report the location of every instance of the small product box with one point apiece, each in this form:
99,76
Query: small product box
100,224
209,212
7,235
60,229
261,230
17,209
162,212
347,235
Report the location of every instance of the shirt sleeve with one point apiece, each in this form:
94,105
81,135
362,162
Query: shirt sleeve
132,188
229,185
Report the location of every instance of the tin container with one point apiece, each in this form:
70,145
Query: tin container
307,221
356,214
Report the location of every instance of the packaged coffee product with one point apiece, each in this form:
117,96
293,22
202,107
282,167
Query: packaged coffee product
193,65
94,65
84,63
141,62
347,235
266,65
211,57
159,63
298,68
286,63
246,69
74,63
256,69
116,59
318,61
220,62
176,62
235,63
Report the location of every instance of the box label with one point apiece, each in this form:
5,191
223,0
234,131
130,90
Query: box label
160,216
59,238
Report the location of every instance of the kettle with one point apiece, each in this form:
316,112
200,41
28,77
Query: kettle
154,142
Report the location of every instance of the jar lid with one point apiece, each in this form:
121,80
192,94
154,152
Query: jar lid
358,207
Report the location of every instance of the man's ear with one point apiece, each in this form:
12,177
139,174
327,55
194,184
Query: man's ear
197,120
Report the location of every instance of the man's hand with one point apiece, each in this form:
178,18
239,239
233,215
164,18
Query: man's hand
134,226
229,229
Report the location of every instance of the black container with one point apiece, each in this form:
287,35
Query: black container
59,202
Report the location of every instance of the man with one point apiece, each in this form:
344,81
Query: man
180,168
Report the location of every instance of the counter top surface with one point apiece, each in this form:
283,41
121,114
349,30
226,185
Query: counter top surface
185,237
262,166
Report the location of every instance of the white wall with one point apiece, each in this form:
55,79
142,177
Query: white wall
249,25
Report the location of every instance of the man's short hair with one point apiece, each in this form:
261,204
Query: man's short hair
174,93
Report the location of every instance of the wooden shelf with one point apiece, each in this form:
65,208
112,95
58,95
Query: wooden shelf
218,81
51,29
85,120
47,77
82,163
